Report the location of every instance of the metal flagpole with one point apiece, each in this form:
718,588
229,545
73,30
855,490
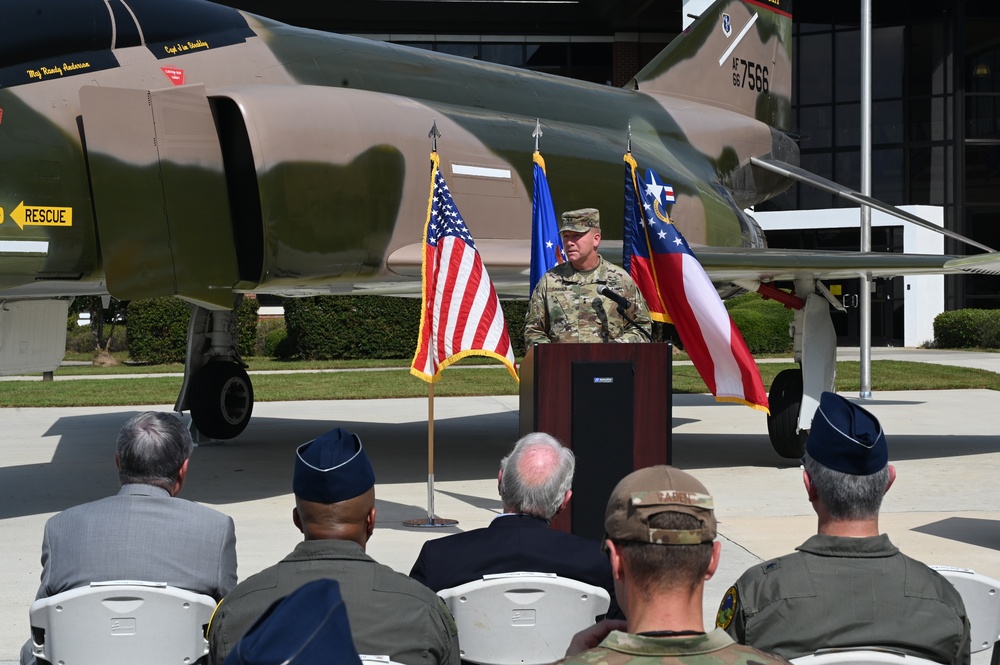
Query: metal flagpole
431,520
865,295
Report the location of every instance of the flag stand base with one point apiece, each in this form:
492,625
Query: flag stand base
429,522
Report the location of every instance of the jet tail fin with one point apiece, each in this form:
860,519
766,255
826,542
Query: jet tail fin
737,55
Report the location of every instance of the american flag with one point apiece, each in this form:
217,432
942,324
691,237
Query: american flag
461,313
679,291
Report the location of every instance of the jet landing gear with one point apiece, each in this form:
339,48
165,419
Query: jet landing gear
785,399
216,390
221,400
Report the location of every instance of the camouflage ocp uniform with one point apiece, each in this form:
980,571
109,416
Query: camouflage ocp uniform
714,648
566,307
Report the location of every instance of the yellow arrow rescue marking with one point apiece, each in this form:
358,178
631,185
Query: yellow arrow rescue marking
40,216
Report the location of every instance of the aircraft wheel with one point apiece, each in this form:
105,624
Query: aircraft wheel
221,400
784,400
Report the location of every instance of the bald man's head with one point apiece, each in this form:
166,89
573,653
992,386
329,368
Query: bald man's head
537,475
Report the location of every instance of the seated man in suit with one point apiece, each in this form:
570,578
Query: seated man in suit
144,532
390,614
847,586
535,480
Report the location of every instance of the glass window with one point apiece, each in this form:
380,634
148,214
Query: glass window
504,54
427,46
927,174
551,57
981,117
928,62
887,62
887,122
982,173
812,197
464,50
887,176
816,123
847,172
591,62
927,121
984,227
847,68
814,69
848,125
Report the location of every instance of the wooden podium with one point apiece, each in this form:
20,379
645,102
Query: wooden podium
611,404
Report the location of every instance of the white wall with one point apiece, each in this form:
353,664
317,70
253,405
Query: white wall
923,295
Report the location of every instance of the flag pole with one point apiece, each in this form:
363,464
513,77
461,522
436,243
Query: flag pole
430,452
431,520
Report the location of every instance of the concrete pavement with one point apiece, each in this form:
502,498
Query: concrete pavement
944,507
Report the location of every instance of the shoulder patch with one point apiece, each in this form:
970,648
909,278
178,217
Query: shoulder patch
727,609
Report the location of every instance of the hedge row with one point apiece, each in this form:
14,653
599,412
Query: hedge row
381,327
357,327
156,329
354,327
967,328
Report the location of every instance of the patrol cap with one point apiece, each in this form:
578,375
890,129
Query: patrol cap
331,468
580,221
846,438
659,489
307,627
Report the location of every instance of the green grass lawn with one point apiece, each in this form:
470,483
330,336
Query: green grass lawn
465,379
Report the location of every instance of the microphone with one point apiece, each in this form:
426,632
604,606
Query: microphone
617,298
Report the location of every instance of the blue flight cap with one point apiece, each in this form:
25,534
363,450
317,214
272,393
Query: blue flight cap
331,468
846,438
307,627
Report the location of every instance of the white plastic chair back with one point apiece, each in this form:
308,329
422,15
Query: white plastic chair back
981,596
121,622
863,656
522,618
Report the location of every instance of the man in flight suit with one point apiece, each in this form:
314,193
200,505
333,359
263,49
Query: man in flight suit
390,614
847,586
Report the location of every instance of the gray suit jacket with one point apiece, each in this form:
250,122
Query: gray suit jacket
142,533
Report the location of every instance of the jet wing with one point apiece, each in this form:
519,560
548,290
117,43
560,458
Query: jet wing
735,263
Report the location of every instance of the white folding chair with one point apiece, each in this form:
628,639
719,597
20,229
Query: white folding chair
981,596
121,622
861,656
522,618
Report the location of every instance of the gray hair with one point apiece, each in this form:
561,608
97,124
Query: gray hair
151,449
846,496
541,497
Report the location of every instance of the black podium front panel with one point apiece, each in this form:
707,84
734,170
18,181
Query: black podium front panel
603,398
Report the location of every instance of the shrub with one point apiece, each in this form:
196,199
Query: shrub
277,345
265,327
246,326
514,313
967,328
350,327
763,323
157,330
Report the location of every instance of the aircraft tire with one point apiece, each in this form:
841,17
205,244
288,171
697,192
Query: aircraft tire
221,400
784,400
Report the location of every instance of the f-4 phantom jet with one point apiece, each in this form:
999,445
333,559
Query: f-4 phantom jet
183,148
